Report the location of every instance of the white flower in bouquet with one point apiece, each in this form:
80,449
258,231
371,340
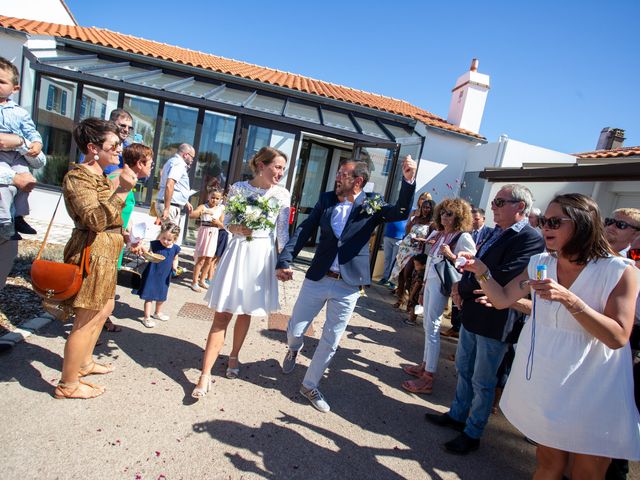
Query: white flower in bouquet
253,212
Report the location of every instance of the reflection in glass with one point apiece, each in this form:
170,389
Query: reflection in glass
302,111
144,112
267,104
259,137
56,105
414,151
369,127
178,126
212,167
97,102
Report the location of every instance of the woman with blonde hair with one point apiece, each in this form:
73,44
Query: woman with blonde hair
245,283
453,219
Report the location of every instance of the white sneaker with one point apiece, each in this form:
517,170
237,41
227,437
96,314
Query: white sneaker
147,322
160,316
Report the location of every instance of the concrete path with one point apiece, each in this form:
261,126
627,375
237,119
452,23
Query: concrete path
147,426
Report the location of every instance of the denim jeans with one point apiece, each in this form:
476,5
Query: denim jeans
341,301
390,251
477,362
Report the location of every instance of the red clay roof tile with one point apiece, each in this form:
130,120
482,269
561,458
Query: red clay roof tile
129,43
616,152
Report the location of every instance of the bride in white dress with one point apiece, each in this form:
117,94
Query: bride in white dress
571,388
245,283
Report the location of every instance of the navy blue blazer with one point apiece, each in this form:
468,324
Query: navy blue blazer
506,259
352,248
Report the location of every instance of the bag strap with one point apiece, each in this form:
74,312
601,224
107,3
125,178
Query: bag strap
46,235
84,261
454,241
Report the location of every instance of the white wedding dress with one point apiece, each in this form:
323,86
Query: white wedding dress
245,280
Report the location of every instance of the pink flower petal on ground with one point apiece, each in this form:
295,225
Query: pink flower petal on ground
157,453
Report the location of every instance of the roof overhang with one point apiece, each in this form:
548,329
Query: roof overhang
573,173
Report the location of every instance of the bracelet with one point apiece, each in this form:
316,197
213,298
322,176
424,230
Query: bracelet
584,305
484,277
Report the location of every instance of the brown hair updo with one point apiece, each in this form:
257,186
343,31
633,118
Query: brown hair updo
265,155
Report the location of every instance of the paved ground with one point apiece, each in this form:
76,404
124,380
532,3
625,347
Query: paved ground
147,426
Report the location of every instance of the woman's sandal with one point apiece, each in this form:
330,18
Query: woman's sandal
422,385
414,370
111,327
73,391
200,392
232,373
95,368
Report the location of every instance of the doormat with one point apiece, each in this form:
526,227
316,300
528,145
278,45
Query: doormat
279,321
197,311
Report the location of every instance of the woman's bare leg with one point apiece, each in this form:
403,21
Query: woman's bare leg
215,342
551,463
197,269
240,330
78,350
589,467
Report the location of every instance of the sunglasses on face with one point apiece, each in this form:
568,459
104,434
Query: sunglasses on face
634,254
128,128
446,213
620,224
112,148
552,223
500,202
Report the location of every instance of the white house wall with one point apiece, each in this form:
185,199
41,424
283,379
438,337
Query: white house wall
517,153
442,164
44,10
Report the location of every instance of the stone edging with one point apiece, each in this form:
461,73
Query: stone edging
25,330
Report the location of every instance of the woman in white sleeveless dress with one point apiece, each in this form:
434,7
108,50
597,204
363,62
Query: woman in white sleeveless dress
245,283
571,388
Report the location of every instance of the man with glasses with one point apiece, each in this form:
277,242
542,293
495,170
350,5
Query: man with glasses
483,336
622,229
346,218
175,190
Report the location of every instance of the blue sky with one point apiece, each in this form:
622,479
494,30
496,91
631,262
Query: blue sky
560,71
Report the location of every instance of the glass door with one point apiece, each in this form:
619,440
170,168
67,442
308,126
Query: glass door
383,160
312,171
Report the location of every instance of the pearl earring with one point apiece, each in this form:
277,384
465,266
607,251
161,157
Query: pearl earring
96,157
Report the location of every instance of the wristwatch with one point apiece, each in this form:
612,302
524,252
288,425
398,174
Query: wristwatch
484,277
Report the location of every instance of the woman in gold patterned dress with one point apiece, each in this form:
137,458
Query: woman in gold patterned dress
96,210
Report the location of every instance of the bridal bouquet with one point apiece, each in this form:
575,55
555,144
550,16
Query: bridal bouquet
254,212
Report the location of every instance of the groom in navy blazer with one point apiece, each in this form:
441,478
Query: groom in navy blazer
347,218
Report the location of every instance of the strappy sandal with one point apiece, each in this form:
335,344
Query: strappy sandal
71,391
200,392
95,368
414,370
422,385
232,373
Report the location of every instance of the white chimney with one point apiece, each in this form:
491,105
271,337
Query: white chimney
468,99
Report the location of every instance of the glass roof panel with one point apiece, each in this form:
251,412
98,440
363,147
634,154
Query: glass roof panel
232,96
337,120
157,80
302,112
49,53
267,104
117,73
194,89
79,64
369,127
399,132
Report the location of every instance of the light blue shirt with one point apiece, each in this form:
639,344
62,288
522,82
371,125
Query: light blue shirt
175,168
339,218
16,120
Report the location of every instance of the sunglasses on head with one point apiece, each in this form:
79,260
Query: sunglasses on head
621,224
552,223
499,202
634,254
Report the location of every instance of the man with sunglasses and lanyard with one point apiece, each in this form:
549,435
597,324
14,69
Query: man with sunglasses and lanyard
483,336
